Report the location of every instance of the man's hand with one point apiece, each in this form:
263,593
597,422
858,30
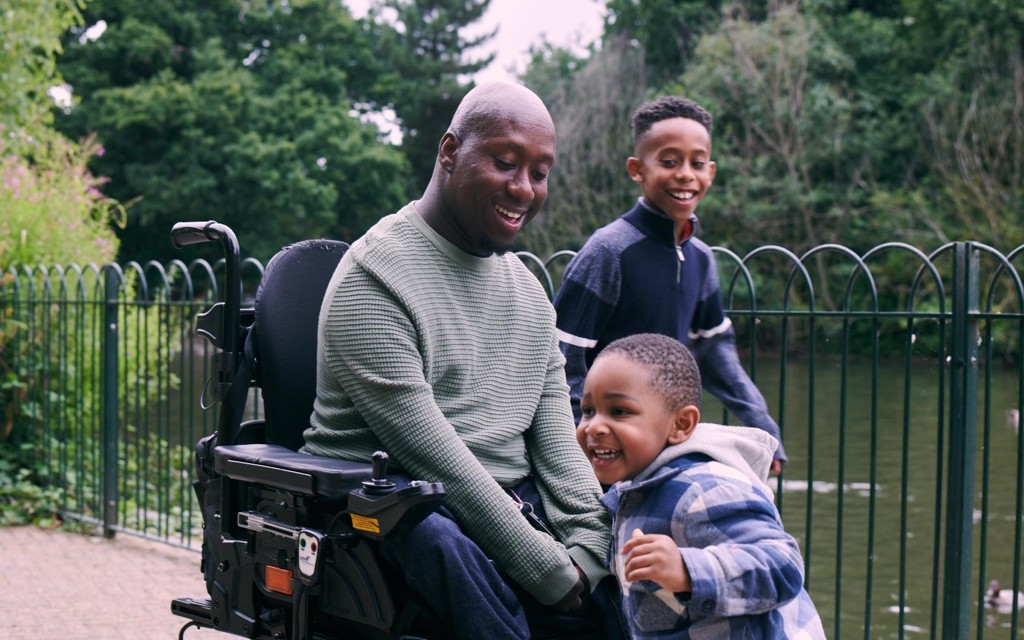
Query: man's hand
574,599
656,558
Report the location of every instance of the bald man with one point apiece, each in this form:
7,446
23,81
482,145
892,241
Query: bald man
438,346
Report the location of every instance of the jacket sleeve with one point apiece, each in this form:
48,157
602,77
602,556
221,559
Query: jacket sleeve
724,377
713,344
740,559
585,301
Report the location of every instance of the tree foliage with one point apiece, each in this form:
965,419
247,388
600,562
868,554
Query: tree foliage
835,121
589,186
424,49
30,33
239,112
666,30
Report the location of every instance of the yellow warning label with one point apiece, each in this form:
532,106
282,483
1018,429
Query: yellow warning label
365,524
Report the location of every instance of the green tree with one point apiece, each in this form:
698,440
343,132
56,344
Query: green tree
239,112
666,30
31,31
591,107
968,107
426,53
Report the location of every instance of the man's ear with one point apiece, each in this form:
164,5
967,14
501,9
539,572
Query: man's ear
634,169
685,422
447,149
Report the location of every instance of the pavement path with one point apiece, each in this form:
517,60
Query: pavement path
57,584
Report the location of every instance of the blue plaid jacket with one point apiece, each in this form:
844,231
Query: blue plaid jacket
709,494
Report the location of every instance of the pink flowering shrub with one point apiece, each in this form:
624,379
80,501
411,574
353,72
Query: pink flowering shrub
51,208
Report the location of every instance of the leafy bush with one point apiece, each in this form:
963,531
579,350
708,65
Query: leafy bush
54,214
53,209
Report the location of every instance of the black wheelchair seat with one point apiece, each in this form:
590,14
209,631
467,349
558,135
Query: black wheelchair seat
281,467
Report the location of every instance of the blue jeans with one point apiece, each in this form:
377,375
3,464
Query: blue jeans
468,594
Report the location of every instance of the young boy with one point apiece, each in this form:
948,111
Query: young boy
697,545
647,272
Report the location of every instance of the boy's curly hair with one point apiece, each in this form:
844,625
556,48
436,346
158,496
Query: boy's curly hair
664,108
673,369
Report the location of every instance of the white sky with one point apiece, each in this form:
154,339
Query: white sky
522,23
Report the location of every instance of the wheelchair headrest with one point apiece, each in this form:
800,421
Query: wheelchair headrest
284,332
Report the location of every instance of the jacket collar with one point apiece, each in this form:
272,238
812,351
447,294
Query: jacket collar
656,225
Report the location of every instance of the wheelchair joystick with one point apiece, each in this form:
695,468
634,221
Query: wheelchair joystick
379,484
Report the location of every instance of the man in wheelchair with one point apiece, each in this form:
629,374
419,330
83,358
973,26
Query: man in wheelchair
437,346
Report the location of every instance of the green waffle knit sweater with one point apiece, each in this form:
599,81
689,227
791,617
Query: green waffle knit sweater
449,362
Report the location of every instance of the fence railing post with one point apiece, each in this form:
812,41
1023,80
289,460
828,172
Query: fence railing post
963,397
109,392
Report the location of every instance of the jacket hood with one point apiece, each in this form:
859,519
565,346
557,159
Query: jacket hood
745,449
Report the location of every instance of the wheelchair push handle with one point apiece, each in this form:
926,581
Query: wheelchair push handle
184,234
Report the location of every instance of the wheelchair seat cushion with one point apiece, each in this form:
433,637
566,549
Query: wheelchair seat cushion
285,333
282,468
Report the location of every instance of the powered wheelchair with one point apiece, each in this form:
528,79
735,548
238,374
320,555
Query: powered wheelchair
290,540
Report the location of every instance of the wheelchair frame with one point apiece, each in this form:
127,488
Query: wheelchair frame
288,538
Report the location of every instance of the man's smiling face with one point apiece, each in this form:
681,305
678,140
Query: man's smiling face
498,179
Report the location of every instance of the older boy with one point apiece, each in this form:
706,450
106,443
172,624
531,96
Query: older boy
697,543
647,272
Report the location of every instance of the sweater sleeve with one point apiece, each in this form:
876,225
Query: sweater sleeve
584,303
565,479
372,348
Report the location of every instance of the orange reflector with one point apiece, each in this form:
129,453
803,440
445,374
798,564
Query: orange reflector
279,580
364,523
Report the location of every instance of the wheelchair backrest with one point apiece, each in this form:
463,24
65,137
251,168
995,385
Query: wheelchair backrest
284,334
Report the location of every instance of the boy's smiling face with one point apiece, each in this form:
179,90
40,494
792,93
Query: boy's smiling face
673,166
625,422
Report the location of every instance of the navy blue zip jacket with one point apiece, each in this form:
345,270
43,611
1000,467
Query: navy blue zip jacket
631,277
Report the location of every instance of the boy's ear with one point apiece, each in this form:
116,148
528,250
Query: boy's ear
712,170
633,168
685,422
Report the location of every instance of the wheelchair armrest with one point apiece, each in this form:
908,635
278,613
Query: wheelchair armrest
282,468
375,513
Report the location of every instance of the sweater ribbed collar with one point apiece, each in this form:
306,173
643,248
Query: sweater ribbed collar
446,248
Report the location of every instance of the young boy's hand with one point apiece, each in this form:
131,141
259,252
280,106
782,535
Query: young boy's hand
656,557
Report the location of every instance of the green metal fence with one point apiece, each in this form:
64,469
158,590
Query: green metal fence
895,375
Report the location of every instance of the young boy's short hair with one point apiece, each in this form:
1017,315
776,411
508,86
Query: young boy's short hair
673,369
665,108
